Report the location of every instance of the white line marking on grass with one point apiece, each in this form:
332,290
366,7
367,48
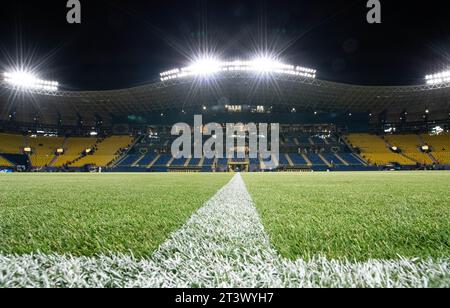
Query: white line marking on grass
224,244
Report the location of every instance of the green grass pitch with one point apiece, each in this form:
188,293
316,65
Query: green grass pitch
89,214
356,216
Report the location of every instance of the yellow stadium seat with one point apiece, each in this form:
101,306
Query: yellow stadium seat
375,150
106,152
43,150
11,144
410,147
73,149
4,162
440,146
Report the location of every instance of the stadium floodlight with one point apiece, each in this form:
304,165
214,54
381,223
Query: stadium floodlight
443,77
25,80
207,67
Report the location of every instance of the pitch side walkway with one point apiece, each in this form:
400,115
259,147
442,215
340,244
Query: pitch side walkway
223,245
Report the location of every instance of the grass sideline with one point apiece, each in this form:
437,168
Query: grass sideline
89,214
356,216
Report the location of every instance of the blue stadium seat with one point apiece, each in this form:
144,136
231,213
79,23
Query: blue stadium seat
17,159
194,162
331,158
315,159
352,160
222,162
297,159
147,160
318,141
179,162
163,160
129,160
304,139
208,162
283,160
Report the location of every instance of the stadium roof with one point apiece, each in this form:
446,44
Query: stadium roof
237,88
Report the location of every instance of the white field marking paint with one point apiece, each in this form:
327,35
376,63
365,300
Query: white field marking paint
224,244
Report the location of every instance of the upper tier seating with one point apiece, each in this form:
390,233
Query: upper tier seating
375,150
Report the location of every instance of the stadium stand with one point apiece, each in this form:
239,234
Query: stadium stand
222,164
147,160
440,147
73,149
298,160
315,159
104,151
283,160
16,159
43,149
11,144
207,165
178,162
194,162
4,162
162,163
351,159
129,160
375,150
301,151
410,147
334,160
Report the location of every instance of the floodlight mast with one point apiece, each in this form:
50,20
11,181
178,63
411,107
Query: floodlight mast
208,67
23,80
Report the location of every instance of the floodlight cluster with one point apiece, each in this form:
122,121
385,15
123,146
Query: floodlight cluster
443,77
210,67
25,80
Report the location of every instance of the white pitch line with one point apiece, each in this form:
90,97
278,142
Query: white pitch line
224,244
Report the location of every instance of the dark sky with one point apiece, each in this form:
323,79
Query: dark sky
126,43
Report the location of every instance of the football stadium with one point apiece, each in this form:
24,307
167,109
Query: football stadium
226,171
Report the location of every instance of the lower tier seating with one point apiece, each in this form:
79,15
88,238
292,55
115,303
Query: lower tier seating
4,162
376,151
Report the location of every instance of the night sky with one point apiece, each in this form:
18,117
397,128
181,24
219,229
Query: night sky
127,43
